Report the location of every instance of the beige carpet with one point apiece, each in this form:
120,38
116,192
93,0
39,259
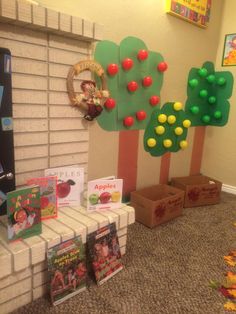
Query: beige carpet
167,269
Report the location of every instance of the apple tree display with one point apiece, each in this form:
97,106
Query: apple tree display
167,130
134,79
208,93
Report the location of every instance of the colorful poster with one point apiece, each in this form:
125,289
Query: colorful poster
194,11
229,53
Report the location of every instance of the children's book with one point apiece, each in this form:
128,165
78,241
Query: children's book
48,195
104,253
104,193
70,184
23,212
67,269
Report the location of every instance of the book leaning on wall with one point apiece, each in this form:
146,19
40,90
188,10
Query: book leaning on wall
67,270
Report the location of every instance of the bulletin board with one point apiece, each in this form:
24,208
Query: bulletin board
193,11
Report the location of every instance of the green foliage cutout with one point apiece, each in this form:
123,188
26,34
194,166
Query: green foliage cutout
208,93
167,130
129,103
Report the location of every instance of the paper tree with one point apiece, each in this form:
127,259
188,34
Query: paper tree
208,93
134,78
167,130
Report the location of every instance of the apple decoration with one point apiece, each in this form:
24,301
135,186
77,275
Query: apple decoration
132,86
105,197
141,115
128,121
154,100
127,64
44,201
93,199
162,66
115,196
142,54
147,81
64,187
112,69
110,103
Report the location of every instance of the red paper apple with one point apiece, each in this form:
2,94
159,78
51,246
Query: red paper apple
105,197
112,69
142,54
132,86
147,81
141,115
128,121
162,66
127,64
64,187
110,103
154,100
44,201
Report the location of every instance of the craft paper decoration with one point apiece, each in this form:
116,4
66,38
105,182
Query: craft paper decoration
229,54
208,93
193,11
134,78
167,130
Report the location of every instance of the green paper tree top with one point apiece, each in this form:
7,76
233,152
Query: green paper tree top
208,93
167,130
134,77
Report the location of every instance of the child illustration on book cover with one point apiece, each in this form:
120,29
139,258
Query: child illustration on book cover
104,251
24,217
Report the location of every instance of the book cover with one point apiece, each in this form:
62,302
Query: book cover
67,269
70,184
23,212
48,195
104,194
104,253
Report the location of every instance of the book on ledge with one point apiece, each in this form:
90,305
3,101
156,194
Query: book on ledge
23,212
48,195
70,184
67,270
104,194
104,253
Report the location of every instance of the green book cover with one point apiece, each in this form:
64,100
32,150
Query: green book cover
67,269
23,212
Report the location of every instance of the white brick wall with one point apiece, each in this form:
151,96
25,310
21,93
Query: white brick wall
48,132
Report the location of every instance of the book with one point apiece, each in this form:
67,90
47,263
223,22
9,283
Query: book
48,195
104,253
23,213
67,270
104,194
70,184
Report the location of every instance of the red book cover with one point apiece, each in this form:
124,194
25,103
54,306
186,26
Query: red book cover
48,195
104,253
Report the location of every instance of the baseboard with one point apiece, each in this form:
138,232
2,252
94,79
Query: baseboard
229,188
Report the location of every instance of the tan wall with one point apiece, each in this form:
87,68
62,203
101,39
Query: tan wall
219,158
182,44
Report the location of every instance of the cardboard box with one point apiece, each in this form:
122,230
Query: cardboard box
199,190
157,204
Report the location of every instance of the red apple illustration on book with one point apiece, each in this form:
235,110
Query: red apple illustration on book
44,201
64,188
105,197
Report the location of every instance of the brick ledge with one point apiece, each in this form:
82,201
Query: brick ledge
22,12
